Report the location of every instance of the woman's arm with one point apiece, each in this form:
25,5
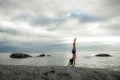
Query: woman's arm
68,64
74,62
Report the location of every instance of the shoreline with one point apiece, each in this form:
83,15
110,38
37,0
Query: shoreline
23,72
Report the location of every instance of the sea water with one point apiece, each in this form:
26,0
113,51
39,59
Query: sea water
84,59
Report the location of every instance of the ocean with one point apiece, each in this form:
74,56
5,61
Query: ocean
84,59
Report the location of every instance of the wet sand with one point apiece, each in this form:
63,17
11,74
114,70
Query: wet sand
20,72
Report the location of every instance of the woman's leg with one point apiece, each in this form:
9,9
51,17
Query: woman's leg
74,44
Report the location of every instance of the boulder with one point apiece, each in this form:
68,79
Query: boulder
19,55
103,55
41,55
48,55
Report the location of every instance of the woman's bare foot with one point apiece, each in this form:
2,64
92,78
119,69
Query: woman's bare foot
74,39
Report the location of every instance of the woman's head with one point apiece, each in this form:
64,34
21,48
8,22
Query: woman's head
71,61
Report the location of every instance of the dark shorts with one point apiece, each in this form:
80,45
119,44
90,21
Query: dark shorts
73,51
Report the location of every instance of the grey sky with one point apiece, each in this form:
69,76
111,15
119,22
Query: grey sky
51,25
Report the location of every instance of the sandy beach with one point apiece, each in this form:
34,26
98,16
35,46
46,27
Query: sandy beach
21,72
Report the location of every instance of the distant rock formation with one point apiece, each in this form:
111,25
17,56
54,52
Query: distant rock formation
48,55
19,55
103,55
41,55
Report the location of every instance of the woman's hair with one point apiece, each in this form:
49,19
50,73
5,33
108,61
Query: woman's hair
71,61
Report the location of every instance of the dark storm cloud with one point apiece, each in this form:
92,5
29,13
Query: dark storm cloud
9,31
8,6
46,21
6,3
37,20
44,47
5,47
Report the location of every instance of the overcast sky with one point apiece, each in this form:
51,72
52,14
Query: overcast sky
51,25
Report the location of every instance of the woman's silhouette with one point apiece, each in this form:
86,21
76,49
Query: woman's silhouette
72,60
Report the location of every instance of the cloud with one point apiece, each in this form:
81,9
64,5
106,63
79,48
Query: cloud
47,21
7,4
36,20
30,25
112,26
83,16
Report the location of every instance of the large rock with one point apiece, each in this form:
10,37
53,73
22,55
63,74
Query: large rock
41,55
48,55
19,55
103,55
